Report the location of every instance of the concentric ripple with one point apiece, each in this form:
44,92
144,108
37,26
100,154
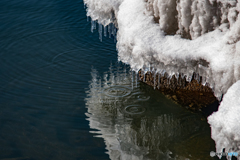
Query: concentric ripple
134,109
117,91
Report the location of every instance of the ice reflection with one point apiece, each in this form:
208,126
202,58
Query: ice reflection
137,124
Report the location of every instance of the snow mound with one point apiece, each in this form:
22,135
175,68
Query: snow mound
225,124
176,37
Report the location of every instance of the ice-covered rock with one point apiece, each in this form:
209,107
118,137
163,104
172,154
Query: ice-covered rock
181,36
225,123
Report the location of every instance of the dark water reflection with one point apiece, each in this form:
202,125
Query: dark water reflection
139,123
47,50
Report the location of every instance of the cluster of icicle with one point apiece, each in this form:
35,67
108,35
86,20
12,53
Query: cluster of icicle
175,37
110,29
193,18
102,15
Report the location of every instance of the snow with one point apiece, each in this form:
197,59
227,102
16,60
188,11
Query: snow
225,124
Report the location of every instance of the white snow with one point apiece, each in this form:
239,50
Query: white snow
225,122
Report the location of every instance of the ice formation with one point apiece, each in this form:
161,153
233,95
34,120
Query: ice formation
182,36
225,122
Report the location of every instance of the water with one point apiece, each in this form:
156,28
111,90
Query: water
138,122
49,85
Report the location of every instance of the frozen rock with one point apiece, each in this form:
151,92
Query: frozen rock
225,124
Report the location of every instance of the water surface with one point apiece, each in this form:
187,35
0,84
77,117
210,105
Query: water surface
47,51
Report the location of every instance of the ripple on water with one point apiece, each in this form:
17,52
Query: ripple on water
117,91
134,109
34,57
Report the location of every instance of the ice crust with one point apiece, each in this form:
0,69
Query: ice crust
225,124
206,40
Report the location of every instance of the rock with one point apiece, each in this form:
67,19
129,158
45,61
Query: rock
191,94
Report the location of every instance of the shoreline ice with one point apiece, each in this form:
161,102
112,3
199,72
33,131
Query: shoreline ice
225,124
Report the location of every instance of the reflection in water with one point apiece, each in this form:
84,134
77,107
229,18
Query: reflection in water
139,123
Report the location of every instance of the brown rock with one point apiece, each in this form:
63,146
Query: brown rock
192,94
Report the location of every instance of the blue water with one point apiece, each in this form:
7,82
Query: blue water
48,57
47,51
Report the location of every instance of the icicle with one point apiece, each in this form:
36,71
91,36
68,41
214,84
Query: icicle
159,76
105,31
177,75
182,76
92,26
136,79
87,18
197,77
154,79
113,30
143,76
170,77
125,72
109,30
100,31
132,78
115,37
162,73
189,77
203,80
